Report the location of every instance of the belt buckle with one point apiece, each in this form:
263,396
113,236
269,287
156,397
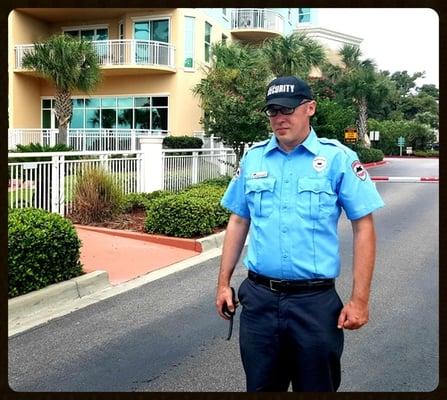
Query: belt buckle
271,281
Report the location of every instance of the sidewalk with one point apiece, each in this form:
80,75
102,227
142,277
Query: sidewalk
115,261
125,256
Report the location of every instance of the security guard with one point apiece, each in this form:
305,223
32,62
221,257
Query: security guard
289,192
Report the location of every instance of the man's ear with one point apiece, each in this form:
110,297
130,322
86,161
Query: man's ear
311,108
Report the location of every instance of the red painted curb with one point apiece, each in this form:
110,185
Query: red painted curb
375,164
182,243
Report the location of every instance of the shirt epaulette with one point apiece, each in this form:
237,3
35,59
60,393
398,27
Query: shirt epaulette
259,144
335,142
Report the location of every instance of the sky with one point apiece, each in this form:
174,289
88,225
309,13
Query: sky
397,39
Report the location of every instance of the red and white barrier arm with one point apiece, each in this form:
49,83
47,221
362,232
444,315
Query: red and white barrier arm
405,179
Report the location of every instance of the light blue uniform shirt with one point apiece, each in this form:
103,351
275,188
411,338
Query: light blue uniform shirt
294,201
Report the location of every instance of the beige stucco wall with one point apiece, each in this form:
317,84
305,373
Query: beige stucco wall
23,92
184,109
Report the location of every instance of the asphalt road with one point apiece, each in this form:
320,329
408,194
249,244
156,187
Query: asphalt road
166,336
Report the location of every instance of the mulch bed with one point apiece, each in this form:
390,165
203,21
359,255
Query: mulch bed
133,221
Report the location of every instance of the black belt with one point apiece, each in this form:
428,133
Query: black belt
291,286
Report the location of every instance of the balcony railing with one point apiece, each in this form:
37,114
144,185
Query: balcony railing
121,52
84,139
257,18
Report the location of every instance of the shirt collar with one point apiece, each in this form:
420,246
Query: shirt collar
311,143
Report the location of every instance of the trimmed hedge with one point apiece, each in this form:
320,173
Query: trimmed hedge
141,201
43,248
182,142
196,211
181,215
369,155
428,153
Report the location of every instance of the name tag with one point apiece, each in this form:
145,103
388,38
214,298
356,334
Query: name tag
260,174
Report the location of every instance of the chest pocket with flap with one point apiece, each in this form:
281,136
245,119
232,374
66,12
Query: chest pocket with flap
316,199
259,193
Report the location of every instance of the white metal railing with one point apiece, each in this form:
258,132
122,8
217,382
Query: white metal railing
184,167
50,184
121,52
257,18
84,139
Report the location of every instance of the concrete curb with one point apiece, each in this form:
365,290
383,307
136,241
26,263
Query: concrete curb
211,242
35,308
57,294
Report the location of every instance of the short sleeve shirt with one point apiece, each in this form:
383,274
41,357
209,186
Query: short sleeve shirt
294,201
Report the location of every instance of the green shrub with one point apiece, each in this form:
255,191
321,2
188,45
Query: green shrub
96,197
428,153
43,248
182,142
213,193
221,181
368,155
181,215
417,135
141,201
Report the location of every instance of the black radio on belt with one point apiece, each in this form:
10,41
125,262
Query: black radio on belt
229,313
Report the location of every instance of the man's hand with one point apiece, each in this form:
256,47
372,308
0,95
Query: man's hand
224,296
353,315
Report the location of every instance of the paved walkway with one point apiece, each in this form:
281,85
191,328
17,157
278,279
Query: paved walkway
126,258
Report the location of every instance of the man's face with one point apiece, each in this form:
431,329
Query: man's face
291,130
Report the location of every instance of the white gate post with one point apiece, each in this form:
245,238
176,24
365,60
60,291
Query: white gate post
223,159
55,184
195,167
151,164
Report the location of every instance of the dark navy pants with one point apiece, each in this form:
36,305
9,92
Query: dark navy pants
290,338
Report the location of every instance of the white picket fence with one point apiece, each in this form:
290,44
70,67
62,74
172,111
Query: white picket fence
50,184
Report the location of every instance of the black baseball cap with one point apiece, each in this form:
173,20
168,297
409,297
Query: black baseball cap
287,91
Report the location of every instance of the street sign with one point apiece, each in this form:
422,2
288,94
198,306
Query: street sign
351,135
401,143
374,135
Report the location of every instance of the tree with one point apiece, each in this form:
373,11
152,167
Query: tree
70,64
430,90
294,54
404,82
361,84
232,95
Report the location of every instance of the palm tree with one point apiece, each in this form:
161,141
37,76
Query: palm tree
358,80
294,54
70,64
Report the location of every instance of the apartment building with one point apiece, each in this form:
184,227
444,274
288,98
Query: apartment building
150,59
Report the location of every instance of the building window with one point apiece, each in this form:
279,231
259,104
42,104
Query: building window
153,30
207,42
303,14
224,11
89,33
289,16
189,42
114,112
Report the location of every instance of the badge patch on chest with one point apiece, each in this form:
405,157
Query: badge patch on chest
260,174
319,163
359,170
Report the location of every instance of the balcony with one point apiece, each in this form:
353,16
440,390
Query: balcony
84,139
256,24
123,56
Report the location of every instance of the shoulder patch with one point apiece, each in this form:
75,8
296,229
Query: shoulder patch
335,142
